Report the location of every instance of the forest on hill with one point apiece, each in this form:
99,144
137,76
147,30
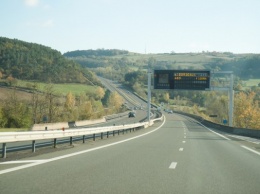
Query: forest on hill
111,63
30,61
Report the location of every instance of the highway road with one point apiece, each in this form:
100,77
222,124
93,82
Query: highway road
177,155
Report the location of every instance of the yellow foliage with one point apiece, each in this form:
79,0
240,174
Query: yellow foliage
115,100
247,112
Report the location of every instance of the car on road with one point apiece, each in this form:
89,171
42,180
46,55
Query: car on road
131,114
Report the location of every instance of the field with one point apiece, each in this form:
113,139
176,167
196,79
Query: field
61,89
24,90
252,82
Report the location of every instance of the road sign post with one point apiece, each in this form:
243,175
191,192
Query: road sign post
192,80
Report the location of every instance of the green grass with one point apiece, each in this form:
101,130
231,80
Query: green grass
252,82
62,89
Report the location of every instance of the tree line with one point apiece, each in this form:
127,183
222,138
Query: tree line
50,108
94,53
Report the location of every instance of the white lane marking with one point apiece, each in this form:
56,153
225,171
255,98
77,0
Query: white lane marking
214,132
249,149
248,139
183,141
181,149
23,161
78,153
173,165
208,128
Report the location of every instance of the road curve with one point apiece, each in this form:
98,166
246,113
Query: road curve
177,156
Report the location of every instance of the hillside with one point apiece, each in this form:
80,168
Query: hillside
115,63
30,61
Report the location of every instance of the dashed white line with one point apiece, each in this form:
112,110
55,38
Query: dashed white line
183,141
181,149
173,165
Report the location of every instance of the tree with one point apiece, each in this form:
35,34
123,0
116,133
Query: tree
115,101
247,112
100,93
3,120
70,102
15,113
166,97
86,111
50,99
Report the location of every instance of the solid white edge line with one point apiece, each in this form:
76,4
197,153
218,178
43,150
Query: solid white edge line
22,161
243,138
78,153
251,150
215,132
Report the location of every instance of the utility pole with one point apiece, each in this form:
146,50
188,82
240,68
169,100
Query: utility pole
230,93
149,95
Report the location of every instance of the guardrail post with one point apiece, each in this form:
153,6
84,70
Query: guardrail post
4,150
118,132
107,134
102,135
83,138
55,142
113,133
70,140
94,137
33,146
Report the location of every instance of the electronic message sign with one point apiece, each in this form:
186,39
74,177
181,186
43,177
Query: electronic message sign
182,79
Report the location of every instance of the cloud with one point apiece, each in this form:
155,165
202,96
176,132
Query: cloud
31,3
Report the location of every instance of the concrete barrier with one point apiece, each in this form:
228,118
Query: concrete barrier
50,126
89,122
65,125
255,133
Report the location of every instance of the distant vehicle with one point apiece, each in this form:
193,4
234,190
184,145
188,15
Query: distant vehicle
168,111
131,114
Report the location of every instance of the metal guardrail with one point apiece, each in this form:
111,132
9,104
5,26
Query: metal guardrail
7,137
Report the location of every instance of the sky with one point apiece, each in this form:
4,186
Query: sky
142,26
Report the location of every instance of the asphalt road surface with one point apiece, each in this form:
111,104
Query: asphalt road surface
178,155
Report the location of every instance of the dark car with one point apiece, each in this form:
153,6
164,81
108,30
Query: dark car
131,114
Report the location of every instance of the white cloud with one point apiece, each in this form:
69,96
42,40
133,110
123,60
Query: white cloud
31,3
